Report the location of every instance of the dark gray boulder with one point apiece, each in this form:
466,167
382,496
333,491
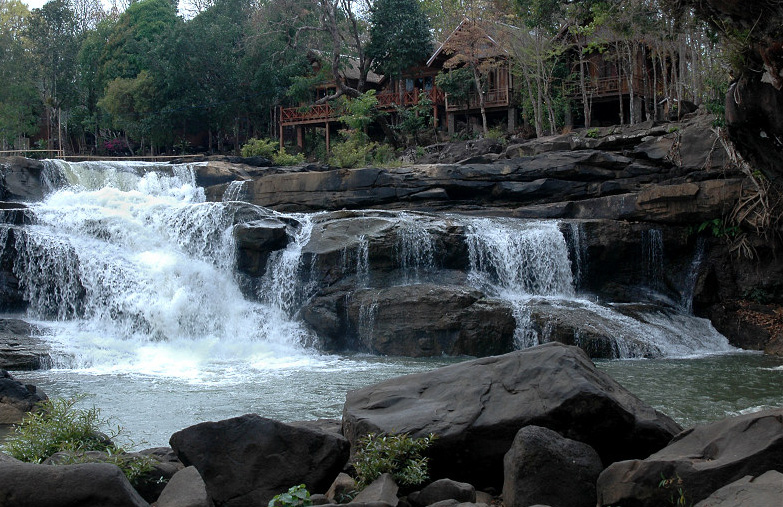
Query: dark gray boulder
248,460
20,179
701,459
443,489
477,407
766,489
165,465
85,485
343,486
19,348
430,320
381,491
255,241
543,467
16,398
185,489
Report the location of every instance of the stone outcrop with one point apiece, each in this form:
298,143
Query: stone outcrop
19,348
700,460
542,467
766,489
443,489
185,489
16,398
477,407
86,485
247,460
21,179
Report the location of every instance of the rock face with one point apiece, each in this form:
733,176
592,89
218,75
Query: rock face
766,489
88,485
443,489
247,460
185,489
703,458
16,399
543,467
20,179
477,407
19,350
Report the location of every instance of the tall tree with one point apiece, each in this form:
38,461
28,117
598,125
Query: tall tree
399,36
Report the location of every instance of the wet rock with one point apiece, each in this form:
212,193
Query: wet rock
20,179
165,465
255,242
443,489
430,320
16,398
477,407
700,460
248,460
185,489
766,489
86,485
545,468
19,348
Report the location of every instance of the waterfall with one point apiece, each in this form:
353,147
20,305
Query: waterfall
415,249
686,300
652,257
234,191
577,252
136,270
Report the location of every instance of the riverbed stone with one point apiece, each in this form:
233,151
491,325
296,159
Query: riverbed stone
546,468
16,398
85,485
476,408
185,489
766,489
381,491
248,460
443,489
342,486
700,460
255,242
20,349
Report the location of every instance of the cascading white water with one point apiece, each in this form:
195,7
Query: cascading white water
527,262
234,191
137,269
415,248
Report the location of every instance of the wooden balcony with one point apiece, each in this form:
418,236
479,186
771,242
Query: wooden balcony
605,87
498,97
322,113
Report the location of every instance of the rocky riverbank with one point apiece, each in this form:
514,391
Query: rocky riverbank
540,426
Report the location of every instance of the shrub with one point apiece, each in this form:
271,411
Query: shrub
352,153
282,158
592,133
296,496
58,426
259,148
496,133
398,455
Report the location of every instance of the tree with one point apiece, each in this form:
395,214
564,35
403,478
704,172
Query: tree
129,102
399,36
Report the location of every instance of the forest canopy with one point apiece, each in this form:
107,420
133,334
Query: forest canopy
153,76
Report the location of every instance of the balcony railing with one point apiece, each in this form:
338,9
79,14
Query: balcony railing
389,100
498,97
605,86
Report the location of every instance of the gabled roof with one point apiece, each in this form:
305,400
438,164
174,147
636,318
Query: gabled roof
492,30
349,68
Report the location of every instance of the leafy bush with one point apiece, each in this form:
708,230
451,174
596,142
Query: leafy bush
352,153
592,133
282,158
296,496
496,133
259,148
58,426
398,455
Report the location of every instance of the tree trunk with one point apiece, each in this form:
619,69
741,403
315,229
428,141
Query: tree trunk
477,80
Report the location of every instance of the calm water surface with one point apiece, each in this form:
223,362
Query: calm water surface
151,408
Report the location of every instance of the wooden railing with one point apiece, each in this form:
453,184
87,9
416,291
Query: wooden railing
602,87
498,97
319,113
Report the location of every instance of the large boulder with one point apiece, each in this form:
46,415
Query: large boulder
539,464
19,349
429,320
85,485
443,489
20,179
477,407
16,398
701,459
248,460
185,489
766,489
255,241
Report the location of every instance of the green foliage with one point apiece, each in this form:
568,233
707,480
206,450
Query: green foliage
416,118
457,83
58,426
678,496
496,133
353,152
399,36
593,133
360,111
260,148
281,158
757,295
718,228
398,455
672,129
296,496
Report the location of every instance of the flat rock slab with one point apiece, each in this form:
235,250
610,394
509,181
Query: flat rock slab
16,398
247,460
19,349
766,489
477,407
699,460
